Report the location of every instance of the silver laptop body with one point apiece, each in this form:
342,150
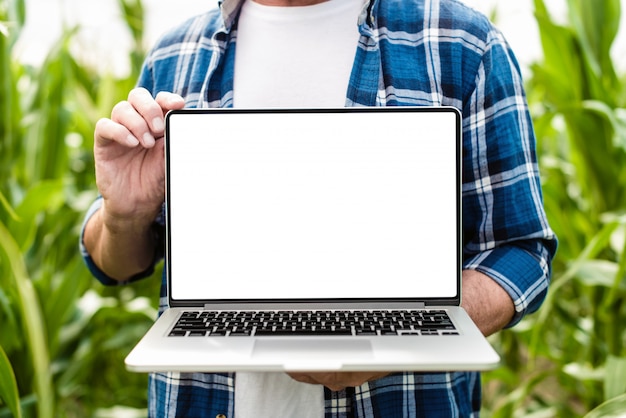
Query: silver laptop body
313,240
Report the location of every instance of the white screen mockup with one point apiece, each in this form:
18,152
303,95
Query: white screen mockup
315,205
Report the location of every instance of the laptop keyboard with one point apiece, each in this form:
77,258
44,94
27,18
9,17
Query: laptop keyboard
313,323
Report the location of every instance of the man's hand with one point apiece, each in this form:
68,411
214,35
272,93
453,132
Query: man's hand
337,381
130,174
128,152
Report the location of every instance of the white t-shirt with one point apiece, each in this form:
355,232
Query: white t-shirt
295,56
291,57
264,395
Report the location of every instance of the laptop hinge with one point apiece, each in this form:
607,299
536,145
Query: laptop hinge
211,306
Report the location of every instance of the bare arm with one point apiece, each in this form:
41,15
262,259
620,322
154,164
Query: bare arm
130,174
486,302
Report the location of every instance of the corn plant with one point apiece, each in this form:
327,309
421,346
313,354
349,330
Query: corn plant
570,358
63,337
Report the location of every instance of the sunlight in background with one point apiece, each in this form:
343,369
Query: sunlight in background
103,37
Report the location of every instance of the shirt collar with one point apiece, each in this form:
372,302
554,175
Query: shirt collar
230,11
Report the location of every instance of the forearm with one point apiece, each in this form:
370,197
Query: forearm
121,248
487,303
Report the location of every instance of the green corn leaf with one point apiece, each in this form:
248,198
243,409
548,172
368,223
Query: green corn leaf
45,196
614,408
561,56
17,11
8,386
599,273
598,243
33,323
615,379
4,29
7,206
596,24
616,119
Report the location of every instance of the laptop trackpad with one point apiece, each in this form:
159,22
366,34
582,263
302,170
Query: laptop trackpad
312,350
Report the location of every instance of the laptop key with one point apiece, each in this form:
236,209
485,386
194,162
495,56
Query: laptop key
240,333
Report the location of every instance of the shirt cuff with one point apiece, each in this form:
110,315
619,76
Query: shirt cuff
91,265
524,273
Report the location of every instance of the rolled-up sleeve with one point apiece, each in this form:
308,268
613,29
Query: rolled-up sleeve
505,230
93,267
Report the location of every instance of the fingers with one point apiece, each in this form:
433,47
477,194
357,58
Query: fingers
169,101
108,131
333,381
127,116
138,120
337,381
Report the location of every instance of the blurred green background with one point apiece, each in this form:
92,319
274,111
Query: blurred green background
63,337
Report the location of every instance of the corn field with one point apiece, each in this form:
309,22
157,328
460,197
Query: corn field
63,337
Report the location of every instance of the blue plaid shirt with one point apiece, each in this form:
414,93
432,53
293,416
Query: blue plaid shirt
410,52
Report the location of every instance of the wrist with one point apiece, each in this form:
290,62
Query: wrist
136,223
121,247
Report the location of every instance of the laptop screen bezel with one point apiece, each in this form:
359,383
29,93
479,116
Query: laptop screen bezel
338,302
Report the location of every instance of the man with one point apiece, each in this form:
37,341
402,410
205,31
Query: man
285,53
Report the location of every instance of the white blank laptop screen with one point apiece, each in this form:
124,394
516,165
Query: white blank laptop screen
315,205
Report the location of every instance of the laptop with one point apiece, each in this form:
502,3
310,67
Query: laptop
313,240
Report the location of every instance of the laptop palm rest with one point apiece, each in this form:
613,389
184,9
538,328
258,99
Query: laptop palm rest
304,353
